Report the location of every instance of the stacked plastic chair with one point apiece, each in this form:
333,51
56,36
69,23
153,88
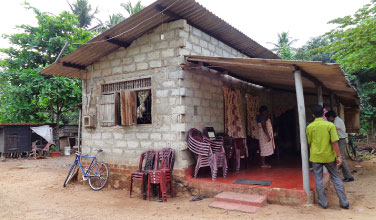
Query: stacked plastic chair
142,172
162,172
208,153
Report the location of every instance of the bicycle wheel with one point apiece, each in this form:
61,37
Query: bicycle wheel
99,176
351,151
71,173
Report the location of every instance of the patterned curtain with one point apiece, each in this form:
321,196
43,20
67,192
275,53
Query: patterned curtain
234,123
252,111
142,95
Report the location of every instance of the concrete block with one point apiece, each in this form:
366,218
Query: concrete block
118,136
168,84
196,32
203,43
182,23
168,53
179,110
121,144
169,137
194,39
133,50
176,75
115,62
106,72
156,136
117,151
162,93
161,45
154,55
179,127
127,61
140,58
205,52
142,136
155,63
146,144
97,135
121,54
117,70
107,136
105,64
133,144
129,136
129,68
197,49
214,41
146,48
142,66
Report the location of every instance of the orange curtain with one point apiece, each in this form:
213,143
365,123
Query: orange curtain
252,111
234,123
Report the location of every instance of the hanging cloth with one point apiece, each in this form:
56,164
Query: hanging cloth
252,111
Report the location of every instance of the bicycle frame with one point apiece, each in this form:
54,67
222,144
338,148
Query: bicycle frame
93,161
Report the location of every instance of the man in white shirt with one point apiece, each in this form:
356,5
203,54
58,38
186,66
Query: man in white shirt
341,131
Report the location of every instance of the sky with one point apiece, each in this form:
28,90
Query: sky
261,20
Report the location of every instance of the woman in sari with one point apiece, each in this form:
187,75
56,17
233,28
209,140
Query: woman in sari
266,139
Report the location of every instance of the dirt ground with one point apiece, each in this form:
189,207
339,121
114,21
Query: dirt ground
32,189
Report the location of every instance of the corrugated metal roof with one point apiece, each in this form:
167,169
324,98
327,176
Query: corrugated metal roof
25,124
148,19
280,74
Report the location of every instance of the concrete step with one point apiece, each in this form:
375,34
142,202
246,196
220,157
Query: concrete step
238,201
239,198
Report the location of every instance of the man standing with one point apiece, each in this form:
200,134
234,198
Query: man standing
324,151
341,130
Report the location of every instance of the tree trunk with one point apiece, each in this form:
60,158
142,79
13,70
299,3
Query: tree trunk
52,111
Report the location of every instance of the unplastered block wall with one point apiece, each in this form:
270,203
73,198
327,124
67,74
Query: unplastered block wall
147,56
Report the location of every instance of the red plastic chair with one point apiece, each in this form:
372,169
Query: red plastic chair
40,151
162,173
142,172
208,153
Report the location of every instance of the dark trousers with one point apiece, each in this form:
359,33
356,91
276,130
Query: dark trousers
336,179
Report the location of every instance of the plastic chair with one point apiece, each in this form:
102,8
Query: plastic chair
162,172
207,153
142,172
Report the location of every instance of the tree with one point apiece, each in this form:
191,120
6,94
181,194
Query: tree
132,9
27,96
354,48
113,20
82,9
311,51
284,44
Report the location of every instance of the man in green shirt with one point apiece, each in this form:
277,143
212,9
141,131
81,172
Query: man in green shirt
324,151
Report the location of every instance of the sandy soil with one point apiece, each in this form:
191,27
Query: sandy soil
32,189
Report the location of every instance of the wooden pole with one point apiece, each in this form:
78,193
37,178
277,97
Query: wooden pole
79,130
302,129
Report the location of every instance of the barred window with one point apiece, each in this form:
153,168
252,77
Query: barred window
126,103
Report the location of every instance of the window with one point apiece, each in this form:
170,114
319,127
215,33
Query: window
126,103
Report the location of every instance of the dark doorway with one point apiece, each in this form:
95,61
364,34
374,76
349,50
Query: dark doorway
285,129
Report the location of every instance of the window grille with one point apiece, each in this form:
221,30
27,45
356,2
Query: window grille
127,85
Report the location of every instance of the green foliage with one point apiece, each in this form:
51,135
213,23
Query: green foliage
82,9
115,19
354,48
132,9
283,47
26,96
354,44
311,50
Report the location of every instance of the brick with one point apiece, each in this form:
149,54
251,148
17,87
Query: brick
122,144
107,136
118,136
146,48
105,64
168,83
146,144
127,61
115,62
203,43
176,75
179,110
196,32
153,55
117,70
105,72
130,136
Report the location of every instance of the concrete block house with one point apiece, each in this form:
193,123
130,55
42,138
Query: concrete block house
170,67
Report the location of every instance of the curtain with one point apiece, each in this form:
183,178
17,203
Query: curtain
142,96
128,107
234,123
252,111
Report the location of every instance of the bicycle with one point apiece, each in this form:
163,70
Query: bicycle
97,172
351,149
